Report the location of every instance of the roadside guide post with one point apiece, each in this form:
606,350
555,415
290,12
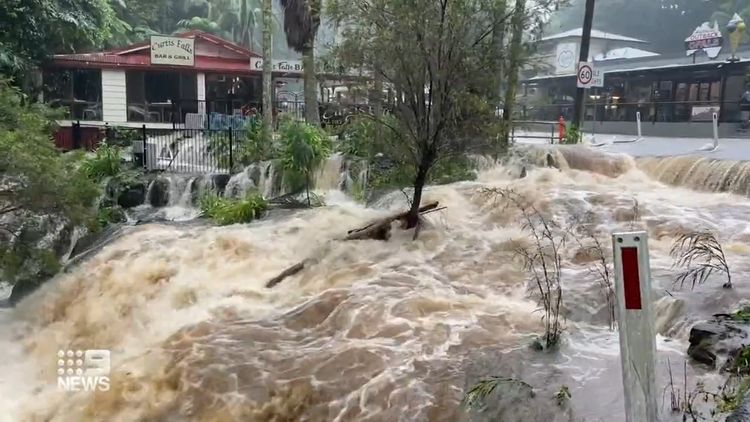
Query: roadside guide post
716,130
638,122
636,325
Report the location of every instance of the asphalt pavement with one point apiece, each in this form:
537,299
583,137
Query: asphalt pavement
650,146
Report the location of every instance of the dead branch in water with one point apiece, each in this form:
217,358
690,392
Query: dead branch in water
294,269
376,230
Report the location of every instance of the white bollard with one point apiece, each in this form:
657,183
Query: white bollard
636,325
716,130
638,122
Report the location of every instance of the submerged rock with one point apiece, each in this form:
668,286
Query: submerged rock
713,342
513,399
25,287
742,413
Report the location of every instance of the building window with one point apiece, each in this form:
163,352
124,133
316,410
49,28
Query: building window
231,94
78,92
161,97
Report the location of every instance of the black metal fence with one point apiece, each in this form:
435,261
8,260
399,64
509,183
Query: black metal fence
188,150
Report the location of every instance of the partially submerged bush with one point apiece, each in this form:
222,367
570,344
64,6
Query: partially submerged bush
742,315
257,145
476,397
699,254
225,211
542,261
304,147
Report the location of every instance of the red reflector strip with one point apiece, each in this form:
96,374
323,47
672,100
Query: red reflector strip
631,278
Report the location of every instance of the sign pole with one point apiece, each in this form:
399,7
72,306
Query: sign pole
636,325
588,20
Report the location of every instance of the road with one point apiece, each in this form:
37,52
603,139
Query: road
729,149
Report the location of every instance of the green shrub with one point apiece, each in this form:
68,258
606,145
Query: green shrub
742,315
123,137
304,147
110,214
224,211
357,138
106,162
573,135
400,174
257,145
455,169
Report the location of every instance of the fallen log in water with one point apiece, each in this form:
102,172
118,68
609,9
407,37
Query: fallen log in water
376,230
294,269
381,229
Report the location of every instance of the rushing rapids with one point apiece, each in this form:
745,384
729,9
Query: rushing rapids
378,331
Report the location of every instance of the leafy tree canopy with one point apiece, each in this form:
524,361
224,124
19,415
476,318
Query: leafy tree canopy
32,29
36,177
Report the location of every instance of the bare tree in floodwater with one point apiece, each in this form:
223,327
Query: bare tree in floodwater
435,55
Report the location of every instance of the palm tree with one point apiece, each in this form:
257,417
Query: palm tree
267,66
301,22
239,20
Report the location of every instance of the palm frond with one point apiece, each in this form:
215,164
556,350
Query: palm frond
301,22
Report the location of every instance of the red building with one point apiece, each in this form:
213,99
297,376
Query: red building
163,82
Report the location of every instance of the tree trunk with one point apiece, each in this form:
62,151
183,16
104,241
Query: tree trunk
412,218
377,105
312,115
514,65
498,46
267,67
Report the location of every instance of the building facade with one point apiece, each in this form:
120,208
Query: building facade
166,82
674,95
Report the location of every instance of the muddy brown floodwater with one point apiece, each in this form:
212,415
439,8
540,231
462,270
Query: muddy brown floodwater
374,331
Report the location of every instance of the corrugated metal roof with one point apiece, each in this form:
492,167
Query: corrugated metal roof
656,63
595,33
626,53
137,56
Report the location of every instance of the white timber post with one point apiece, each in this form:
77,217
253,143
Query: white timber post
716,130
638,122
636,325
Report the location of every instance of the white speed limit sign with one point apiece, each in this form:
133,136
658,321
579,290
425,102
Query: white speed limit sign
585,74
588,76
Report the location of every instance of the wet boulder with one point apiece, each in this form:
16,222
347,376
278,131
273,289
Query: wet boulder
220,182
132,196
713,342
25,287
158,193
742,412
